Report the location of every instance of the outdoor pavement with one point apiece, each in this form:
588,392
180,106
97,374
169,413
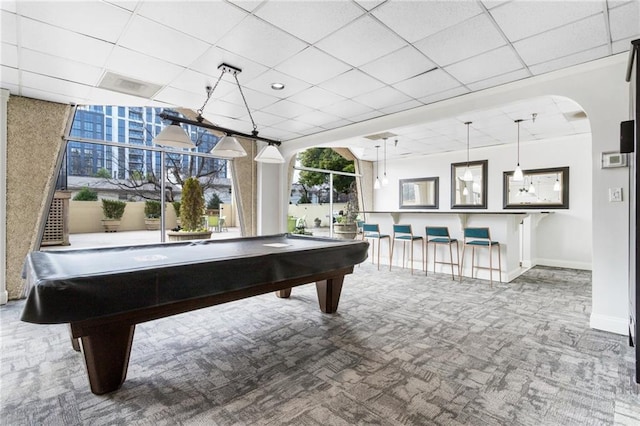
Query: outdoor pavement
128,238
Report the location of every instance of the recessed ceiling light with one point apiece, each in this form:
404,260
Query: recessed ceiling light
277,86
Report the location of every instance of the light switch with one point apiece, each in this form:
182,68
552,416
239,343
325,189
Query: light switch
615,195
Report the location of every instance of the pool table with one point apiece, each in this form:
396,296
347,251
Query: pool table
104,292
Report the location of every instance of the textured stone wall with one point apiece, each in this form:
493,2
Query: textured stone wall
244,171
34,140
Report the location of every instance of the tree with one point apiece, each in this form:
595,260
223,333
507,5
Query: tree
214,202
86,194
327,159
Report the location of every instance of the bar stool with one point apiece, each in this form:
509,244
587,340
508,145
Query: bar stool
371,231
403,233
480,237
441,236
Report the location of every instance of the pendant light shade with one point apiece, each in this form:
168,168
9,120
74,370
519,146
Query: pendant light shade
269,154
174,136
228,147
385,180
517,174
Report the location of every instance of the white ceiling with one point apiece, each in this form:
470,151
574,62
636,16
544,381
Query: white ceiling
342,62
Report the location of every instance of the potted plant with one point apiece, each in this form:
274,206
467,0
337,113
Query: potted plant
317,222
112,211
152,212
346,227
191,214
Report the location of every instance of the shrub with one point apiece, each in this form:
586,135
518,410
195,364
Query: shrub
176,207
191,205
86,194
152,209
113,209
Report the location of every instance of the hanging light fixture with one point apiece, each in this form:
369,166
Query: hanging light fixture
376,184
228,146
269,154
174,136
517,174
532,189
468,176
385,180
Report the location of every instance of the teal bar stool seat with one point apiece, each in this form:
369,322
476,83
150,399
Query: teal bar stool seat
439,235
480,237
371,231
405,234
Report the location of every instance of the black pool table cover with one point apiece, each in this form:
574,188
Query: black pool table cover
75,285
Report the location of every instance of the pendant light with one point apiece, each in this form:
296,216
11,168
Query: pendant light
532,189
376,184
385,180
228,147
468,176
517,174
269,154
174,136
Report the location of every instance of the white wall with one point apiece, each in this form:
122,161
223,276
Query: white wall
563,238
599,87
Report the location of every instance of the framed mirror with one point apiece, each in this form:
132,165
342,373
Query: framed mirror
419,193
469,185
540,189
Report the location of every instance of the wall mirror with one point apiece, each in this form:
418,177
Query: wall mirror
420,193
540,188
469,185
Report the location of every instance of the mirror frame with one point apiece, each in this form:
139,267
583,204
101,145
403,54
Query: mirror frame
402,202
484,164
564,203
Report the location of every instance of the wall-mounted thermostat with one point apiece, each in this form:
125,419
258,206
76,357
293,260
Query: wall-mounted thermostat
613,159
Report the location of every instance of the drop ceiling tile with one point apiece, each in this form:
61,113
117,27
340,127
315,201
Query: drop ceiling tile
208,64
100,96
576,37
255,99
195,18
336,124
367,116
427,84
352,83
59,68
567,61
623,45
382,98
279,134
179,98
138,65
295,126
316,98
313,66
309,20
414,20
248,5
401,107
8,5
66,44
9,30
469,38
317,118
361,41
404,63
196,83
490,4
347,109
261,42
521,19
54,85
291,85
288,109
159,41
9,55
222,108
487,65
500,79
96,19
446,94
10,76
625,21
45,95
264,119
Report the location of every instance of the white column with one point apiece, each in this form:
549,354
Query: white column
4,296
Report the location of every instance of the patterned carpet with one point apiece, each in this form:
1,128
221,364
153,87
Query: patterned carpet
402,349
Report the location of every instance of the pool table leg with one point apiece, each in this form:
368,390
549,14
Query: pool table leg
283,294
106,354
329,293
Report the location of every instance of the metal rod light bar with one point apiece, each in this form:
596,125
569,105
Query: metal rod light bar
204,125
335,172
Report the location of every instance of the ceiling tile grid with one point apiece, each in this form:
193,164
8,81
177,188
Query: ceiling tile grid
341,62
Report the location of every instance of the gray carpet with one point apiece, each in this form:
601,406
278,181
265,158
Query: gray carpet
402,349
